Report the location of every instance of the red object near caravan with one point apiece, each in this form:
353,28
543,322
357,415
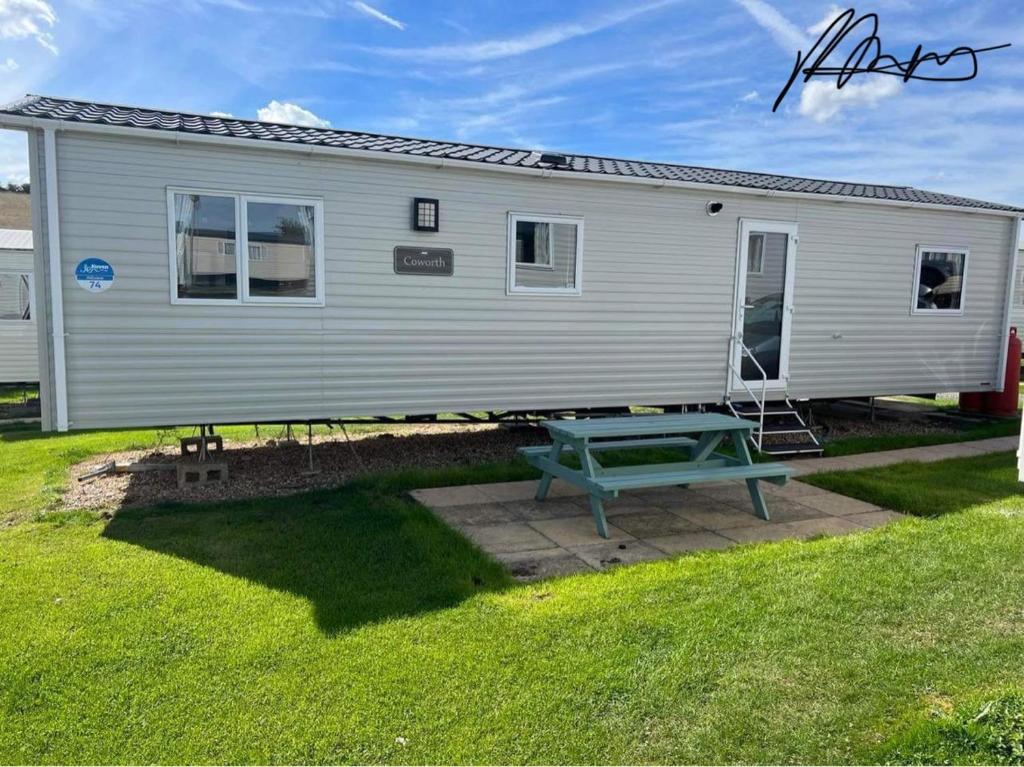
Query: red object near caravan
1005,402
972,401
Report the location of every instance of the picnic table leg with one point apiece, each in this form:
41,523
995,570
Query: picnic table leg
739,441
705,446
545,480
590,468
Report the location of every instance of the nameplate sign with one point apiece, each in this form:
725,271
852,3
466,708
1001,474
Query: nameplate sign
435,261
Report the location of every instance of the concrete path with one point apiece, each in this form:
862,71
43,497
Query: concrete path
557,536
888,457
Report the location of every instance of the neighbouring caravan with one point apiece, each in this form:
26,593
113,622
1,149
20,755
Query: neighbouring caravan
1017,311
19,362
209,270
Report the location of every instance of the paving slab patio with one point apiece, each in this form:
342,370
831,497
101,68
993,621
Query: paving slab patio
557,537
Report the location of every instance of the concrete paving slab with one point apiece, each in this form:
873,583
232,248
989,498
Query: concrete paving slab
478,514
648,524
507,537
460,495
554,508
736,495
542,563
721,518
688,542
662,495
757,533
837,505
792,489
789,510
601,556
810,528
524,490
875,518
577,531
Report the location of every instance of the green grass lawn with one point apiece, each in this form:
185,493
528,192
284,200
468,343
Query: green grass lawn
352,626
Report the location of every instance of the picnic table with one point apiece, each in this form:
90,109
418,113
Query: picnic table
696,434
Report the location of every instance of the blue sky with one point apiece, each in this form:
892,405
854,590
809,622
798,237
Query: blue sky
672,80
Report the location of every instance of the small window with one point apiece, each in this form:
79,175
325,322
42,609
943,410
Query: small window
281,239
544,254
755,254
15,296
940,278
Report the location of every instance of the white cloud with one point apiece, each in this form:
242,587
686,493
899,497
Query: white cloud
10,65
751,96
831,15
488,50
373,13
821,100
21,19
292,114
785,32
226,114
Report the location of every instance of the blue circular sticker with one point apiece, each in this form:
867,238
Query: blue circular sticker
94,274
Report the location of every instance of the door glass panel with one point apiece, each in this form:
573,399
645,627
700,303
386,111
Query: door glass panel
765,303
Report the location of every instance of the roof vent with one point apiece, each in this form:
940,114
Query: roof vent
558,160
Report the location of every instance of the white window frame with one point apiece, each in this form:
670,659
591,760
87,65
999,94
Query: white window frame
242,199
921,250
542,218
19,273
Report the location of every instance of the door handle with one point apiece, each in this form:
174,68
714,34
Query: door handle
748,306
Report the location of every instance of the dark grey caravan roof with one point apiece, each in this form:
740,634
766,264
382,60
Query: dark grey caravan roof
87,112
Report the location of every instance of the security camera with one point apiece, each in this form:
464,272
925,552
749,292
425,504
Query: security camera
714,208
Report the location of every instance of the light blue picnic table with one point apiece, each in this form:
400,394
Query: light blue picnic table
697,435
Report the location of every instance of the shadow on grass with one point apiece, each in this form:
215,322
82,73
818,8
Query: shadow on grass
359,555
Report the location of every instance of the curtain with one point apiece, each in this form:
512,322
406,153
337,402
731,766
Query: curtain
306,221
184,210
26,297
541,244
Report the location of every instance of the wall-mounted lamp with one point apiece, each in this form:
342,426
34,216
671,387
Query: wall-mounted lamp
426,214
714,207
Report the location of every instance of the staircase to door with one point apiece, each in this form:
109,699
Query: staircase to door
780,421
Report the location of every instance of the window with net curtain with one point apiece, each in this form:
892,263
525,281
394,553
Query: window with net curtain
15,297
277,240
544,253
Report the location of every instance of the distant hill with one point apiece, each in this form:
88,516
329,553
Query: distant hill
15,211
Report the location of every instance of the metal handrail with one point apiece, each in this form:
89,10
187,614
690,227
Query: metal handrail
764,388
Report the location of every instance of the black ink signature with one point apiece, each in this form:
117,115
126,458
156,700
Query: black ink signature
869,49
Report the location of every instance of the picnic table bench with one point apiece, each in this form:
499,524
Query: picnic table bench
696,434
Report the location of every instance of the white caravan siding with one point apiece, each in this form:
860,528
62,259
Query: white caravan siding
19,362
651,327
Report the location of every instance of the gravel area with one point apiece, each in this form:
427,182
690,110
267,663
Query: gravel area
837,427
270,467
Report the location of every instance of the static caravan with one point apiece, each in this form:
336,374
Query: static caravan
19,362
1017,311
208,270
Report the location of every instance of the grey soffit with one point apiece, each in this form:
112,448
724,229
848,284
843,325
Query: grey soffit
87,112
